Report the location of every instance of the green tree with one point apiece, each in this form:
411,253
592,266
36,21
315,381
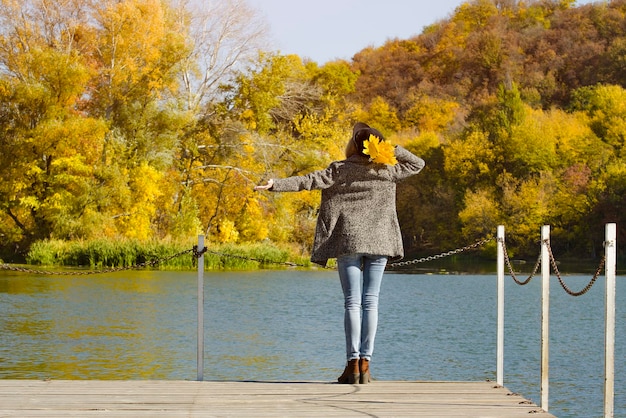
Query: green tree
606,107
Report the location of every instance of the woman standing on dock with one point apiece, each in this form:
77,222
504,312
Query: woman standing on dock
358,225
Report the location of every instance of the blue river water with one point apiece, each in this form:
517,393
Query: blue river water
287,325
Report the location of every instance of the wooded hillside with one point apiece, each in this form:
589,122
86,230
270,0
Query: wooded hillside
149,120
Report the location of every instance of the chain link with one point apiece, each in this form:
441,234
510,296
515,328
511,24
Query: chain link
510,267
442,255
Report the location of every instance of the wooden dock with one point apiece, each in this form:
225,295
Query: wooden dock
148,398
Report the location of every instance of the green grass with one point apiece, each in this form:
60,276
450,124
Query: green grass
104,254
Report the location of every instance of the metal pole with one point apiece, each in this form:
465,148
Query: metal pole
545,316
200,349
610,248
500,321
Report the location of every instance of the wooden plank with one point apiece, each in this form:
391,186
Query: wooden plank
143,398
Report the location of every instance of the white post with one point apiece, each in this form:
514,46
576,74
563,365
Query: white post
500,320
545,316
610,248
200,349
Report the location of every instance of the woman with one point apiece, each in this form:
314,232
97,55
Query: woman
358,225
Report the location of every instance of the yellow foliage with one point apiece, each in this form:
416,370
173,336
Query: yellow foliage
480,214
469,159
253,225
144,191
530,144
145,184
248,117
474,15
420,144
431,114
527,203
379,114
30,202
138,44
74,165
227,232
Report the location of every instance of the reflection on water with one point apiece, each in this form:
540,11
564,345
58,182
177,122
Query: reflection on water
121,326
287,326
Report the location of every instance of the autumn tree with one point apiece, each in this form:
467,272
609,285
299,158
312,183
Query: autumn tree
85,88
294,133
50,151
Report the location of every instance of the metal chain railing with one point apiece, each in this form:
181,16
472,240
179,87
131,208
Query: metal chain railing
442,255
563,285
555,268
400,263
194,251
197,254
259,260
507,261
150,263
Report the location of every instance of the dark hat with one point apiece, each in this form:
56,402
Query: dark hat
361,133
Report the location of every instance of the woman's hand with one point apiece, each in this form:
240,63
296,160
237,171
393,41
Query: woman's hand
266,186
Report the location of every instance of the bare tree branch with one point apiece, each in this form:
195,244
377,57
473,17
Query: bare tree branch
226,34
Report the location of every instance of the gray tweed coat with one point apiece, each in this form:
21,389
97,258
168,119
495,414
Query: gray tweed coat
358,208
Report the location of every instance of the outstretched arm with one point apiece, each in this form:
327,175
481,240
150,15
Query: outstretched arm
267,186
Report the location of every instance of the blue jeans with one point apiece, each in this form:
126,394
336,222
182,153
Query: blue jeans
360,329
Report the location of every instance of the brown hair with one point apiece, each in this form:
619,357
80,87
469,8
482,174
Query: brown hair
361,133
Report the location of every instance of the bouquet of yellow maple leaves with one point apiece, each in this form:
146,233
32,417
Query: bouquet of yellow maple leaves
380,152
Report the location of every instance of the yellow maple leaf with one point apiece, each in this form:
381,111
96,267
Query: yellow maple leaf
380,152
370,146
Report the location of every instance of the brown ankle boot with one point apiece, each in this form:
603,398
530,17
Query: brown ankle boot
350,374
364,370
